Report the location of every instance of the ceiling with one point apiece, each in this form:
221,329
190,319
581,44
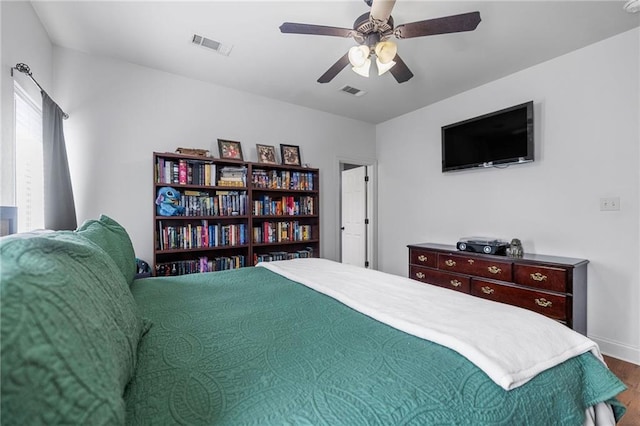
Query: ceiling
512,36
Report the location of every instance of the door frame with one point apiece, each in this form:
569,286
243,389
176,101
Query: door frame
372,206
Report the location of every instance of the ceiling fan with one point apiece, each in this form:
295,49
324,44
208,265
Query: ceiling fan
372,32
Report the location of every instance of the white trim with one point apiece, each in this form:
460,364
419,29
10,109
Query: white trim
618,350
18,90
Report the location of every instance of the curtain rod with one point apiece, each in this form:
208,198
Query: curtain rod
24,68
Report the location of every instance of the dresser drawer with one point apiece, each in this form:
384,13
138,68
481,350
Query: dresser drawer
423,257
551,305
474,266
542,277
439,278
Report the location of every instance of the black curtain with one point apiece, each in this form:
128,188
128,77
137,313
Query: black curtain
59,208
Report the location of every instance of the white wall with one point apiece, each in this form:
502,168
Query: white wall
23,40
121,113
587,114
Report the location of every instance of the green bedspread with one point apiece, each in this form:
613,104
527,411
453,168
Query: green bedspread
251,347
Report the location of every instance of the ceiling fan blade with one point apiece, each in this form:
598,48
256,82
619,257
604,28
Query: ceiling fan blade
400,70
335,69
448,24
381,9
294,28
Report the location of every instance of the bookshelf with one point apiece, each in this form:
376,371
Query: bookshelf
231,214
285,220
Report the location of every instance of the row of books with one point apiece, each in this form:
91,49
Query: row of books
202,264
279,206
191,236
185,172
277,232
223,203
233,176
282,179
282,255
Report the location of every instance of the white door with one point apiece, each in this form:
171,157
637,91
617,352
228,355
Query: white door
354,214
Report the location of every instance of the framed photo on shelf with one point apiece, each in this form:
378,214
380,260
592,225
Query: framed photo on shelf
230,150
266,154
290,154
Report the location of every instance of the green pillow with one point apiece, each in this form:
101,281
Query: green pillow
69,331
112,238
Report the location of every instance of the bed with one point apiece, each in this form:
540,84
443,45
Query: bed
264,349
307,341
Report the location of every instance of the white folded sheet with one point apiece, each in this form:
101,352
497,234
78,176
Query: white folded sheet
511,345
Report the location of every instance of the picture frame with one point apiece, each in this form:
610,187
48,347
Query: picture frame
230,150
290,155
266,154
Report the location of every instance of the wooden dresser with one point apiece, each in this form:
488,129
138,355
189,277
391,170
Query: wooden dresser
550,285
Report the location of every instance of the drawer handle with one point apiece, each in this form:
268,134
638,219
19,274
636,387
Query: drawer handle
494,269
450,262
487,290
543,302
455,283
470,261
538,277
422,258
420,275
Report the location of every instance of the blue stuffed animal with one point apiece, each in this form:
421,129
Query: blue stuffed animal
168,202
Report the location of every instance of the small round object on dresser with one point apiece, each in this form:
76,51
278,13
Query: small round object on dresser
487,249
462,246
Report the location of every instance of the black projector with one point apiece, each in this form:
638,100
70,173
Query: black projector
483,245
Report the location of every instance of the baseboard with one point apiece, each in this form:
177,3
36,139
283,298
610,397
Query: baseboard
618,350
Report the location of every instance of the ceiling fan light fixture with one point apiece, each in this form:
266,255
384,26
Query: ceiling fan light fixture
386,51
363,69
358,56
372,32
382,67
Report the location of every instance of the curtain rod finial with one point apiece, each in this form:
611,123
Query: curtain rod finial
23,68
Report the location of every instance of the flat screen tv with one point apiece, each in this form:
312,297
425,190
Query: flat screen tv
499,138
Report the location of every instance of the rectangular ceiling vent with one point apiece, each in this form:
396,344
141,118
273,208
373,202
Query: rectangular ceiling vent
352,91
211,44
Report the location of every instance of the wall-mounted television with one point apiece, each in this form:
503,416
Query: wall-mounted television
498,138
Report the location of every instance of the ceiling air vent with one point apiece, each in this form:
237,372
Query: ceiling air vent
211,44
352,91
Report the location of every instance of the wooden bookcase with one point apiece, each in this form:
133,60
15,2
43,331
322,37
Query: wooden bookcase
235,214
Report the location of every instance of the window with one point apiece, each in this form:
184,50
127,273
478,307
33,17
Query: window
29,163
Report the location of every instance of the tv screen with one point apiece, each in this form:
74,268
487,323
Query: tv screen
498,138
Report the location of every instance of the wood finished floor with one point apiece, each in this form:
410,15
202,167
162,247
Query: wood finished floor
630,374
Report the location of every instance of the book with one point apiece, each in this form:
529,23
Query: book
182,172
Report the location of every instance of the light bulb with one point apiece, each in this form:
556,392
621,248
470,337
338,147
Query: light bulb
363,69
386,51
382,68
358,55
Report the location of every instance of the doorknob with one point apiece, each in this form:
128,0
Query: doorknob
342,228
